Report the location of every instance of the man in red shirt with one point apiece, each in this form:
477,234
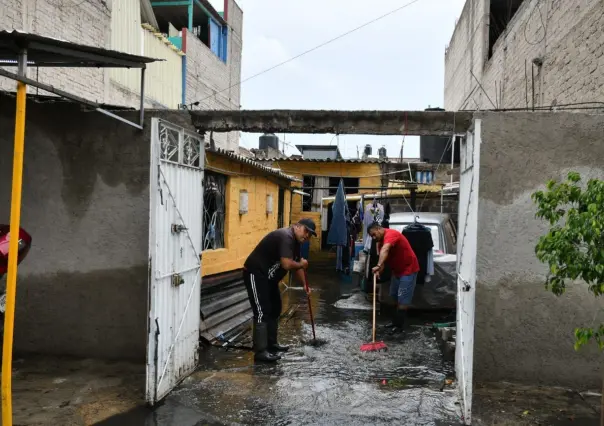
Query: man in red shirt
395,250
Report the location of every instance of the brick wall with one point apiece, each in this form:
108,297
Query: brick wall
570,43
85,23
212,82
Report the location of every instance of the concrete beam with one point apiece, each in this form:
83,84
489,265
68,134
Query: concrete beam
418,123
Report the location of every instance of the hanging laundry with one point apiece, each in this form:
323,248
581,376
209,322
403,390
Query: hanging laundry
386,221
338,229
430,266
374,212
420,239
339,266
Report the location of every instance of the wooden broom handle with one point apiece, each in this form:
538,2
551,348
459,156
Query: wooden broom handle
374,291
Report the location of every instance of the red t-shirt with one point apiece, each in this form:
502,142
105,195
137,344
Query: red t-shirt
401,258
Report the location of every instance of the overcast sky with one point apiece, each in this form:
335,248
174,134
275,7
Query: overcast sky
396,63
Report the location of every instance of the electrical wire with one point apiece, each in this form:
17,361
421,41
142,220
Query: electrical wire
534,43
385,15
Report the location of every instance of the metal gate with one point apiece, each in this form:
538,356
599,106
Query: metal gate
175,237
466,267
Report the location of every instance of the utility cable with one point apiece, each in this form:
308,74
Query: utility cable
385,15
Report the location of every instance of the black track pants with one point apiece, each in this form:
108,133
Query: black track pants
264,295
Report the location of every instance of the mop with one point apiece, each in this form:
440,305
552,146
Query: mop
374,346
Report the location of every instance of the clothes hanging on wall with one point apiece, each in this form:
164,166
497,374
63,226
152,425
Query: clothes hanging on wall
420,239
386,221
374,212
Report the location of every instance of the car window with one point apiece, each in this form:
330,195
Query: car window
451,235
433,230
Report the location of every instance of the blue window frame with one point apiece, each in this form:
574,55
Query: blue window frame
218,39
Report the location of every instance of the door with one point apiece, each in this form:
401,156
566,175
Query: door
466,267
175,235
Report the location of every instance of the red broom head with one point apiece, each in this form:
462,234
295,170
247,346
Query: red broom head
374,347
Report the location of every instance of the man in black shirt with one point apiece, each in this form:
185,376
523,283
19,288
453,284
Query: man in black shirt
269,262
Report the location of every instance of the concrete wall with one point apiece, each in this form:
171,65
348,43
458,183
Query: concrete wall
213,83
570,43
523,332
82,290
243,232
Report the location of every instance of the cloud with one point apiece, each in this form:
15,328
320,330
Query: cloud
396,63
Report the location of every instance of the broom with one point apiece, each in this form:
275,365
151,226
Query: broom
374,346
312,320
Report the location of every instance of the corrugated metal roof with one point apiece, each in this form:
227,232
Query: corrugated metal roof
342,160
51,52
255,164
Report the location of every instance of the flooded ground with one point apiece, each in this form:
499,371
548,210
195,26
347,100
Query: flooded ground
329,384
332,383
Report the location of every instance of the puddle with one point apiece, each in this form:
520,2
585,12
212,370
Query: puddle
330,383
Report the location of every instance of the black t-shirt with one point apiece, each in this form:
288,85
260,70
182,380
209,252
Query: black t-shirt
265,259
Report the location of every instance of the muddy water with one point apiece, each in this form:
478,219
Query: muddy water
329,384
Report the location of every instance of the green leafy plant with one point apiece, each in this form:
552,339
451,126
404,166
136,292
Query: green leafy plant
573,248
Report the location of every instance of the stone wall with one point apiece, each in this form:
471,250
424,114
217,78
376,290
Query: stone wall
564,34
82,290
524,333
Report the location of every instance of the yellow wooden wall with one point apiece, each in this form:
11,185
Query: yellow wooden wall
369,174
242,232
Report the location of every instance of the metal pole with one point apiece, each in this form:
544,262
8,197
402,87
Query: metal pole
142,104
413,200
15,219
452,155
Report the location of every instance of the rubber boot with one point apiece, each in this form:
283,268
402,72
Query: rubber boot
399,320
273,346
260,337
396,319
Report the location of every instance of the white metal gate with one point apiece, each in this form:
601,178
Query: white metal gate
175,238
466,267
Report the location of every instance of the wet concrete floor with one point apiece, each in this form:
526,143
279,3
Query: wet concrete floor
329,384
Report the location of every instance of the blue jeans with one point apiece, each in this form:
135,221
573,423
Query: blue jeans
402,288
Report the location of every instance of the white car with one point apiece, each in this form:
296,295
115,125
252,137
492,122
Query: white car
441,291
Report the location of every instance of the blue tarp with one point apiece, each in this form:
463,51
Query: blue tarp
338,229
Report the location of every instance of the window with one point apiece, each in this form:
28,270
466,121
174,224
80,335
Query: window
500,15
308,183
351,185
214,210
205,25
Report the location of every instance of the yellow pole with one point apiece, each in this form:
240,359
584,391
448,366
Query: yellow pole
15,218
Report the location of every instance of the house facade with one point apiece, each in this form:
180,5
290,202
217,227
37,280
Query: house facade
199,48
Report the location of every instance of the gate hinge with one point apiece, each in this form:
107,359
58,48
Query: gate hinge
466,285
178,228
177,280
